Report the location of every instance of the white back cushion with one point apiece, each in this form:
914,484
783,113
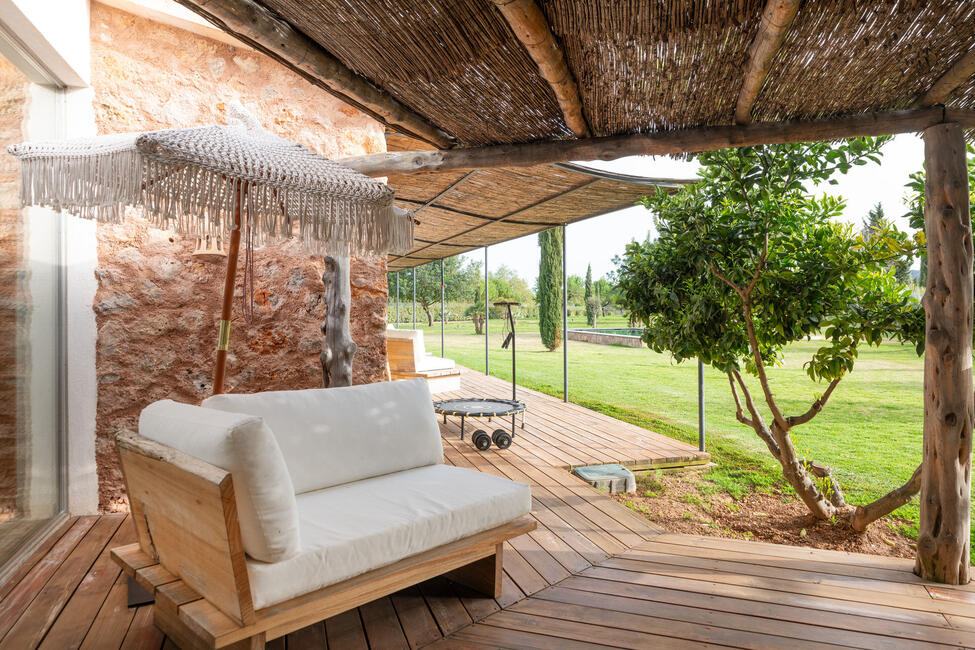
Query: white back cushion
242,445
331,436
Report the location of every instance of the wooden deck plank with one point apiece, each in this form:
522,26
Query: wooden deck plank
444,604
593,574
114,619
143,633
311,637
20,596
40,553
41,613
415,618
690,596
77,615
382,626
345,631
700,614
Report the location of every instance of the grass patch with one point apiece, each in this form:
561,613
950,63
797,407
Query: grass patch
869,434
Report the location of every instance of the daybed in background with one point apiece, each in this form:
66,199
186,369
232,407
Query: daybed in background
409,359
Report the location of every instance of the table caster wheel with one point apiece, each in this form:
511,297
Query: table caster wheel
501,438
481,440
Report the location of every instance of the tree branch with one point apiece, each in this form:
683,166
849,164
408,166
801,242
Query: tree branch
816,407
760,368
863,516
836,492
721,276
740,414
758,424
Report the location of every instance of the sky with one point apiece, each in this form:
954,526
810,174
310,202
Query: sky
596,241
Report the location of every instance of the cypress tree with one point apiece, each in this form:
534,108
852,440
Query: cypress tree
590,299
549,294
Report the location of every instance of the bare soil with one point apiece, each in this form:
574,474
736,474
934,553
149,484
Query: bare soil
688,503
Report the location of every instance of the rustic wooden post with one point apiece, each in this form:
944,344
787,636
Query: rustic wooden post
945,527
338,348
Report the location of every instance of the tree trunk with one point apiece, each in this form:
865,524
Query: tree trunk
338,348
798,477
426,310
949,404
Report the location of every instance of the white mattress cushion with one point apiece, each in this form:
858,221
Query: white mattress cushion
242,445
355,528
330,436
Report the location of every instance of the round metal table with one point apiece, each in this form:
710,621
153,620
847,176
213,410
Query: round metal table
483,407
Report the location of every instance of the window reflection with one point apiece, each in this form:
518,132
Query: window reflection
29,312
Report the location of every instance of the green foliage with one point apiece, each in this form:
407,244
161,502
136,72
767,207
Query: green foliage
460,283
506,283
573,285
915,211
875,225
549,293
751,229
591,302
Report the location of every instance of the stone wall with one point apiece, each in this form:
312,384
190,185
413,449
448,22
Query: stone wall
157,306
14,302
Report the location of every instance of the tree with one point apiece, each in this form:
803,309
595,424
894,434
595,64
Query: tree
549,293
875,224
748,261
460,283
590,299
507,284
608,294
574,291
915,212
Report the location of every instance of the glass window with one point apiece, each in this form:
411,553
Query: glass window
30,316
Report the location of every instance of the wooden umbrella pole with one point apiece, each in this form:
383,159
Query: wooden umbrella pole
223,341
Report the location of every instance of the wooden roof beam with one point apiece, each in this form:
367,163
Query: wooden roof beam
531,28
777,17
257,26
680,141
957,74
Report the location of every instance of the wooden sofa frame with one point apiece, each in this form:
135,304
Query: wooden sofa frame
190,556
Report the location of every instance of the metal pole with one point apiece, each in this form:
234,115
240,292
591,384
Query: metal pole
414,297
700,405
514,386
442,306
565,322
487,316
397,299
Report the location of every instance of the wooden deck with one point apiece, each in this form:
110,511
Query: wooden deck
594,574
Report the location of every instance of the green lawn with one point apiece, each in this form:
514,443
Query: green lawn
869,434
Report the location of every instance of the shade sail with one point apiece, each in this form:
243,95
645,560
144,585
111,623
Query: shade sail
193,179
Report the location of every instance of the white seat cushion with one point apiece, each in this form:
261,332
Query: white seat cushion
242,445
354,528
434,363
331,436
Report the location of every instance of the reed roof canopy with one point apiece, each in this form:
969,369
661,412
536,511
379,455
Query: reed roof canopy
459,211
469,74
498,90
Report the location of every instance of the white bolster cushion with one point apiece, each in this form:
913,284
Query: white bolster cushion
331,436
243,445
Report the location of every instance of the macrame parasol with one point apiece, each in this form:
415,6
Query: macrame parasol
209,180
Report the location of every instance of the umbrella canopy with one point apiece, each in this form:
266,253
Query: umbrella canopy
199,180
207,180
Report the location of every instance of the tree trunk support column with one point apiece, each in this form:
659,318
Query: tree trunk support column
945,527
338,348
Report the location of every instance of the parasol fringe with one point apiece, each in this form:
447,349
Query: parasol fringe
348,215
